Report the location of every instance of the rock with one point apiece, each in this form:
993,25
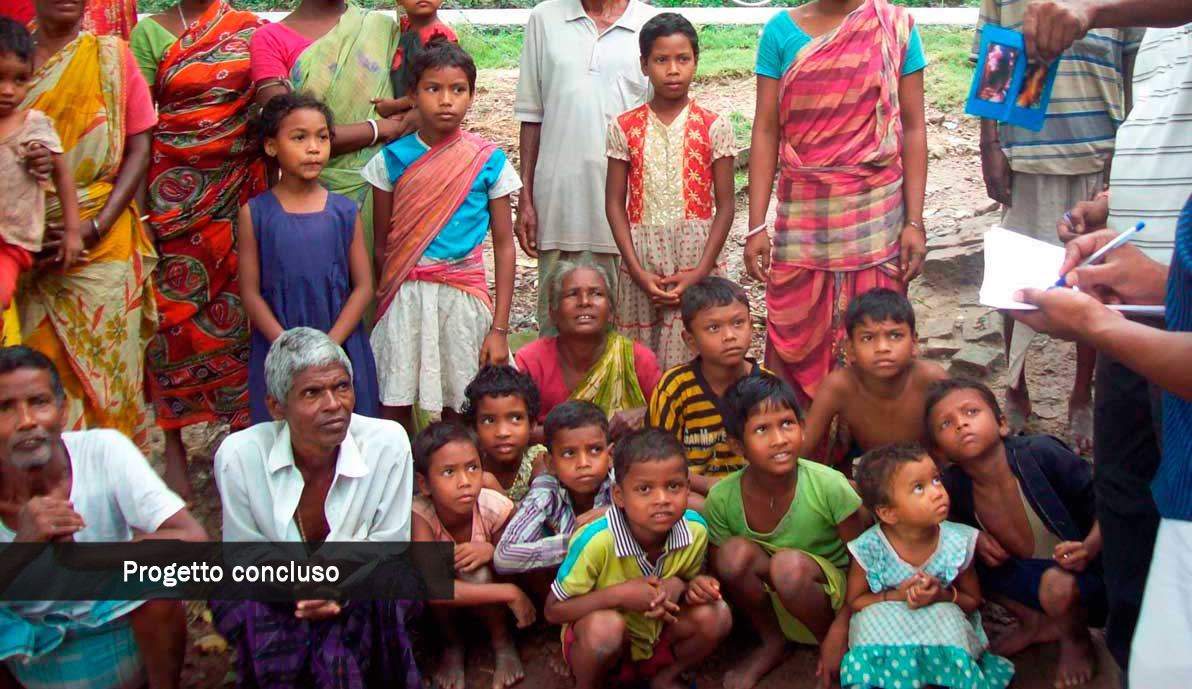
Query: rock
987,208
935,328
981,325
939,348
977,359
954,267
936,151
950,126
935,117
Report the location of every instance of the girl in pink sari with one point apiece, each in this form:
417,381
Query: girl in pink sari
840,118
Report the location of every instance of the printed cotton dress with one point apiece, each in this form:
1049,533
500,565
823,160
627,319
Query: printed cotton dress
894,647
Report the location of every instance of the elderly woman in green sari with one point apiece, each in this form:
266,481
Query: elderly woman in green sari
588,360
341,55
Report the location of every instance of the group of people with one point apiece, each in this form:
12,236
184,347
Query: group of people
226,217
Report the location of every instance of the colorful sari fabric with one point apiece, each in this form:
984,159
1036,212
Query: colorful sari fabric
100,17
840,209
346,68
10,333
203,168
611,383
450,166
93,320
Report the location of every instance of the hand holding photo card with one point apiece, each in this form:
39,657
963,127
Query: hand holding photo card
1005,87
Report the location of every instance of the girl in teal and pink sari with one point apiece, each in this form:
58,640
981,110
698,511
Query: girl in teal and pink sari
840,118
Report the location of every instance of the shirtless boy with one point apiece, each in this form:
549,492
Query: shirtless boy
880,395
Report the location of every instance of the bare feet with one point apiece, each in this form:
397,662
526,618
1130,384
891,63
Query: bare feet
1080,425
1018,409
1033,628
1077,663
747,673
557,663
450,673
1018,639
507,669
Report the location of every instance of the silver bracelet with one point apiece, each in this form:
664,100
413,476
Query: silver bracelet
376,132
760,228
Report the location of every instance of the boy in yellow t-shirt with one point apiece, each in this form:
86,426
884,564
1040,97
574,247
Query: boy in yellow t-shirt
631,595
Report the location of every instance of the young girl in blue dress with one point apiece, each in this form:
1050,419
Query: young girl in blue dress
911,585
302,255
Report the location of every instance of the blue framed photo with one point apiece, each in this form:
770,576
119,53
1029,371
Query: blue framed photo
1005,87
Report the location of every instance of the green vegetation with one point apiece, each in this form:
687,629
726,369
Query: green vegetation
152,6
949,72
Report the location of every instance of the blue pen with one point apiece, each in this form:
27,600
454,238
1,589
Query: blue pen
1117,241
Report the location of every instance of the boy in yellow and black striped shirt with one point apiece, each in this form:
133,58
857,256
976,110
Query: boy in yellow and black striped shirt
687,401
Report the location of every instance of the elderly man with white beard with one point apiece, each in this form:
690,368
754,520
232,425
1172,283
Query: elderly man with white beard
89,487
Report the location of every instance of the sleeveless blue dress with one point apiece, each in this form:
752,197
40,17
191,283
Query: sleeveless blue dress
305,280
894,647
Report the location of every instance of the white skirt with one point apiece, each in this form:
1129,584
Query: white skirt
427,346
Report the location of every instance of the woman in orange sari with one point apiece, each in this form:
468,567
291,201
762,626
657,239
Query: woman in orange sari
203,167
840,118
93,320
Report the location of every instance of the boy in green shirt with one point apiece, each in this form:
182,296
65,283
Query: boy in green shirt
777,530
631,595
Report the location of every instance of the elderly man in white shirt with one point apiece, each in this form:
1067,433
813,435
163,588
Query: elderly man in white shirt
580,68
318,473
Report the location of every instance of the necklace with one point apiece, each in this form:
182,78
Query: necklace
185,24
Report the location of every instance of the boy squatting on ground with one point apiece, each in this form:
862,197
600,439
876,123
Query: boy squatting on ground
453,505
575,491
1032,498
631,595
879,396
688,401
778,530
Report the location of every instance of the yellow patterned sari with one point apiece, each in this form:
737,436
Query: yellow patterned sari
93,321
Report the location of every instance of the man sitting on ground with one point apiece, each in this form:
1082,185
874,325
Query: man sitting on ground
317,474
87,486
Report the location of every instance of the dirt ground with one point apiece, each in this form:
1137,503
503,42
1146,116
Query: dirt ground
956,208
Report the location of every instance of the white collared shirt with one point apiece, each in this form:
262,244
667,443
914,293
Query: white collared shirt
574,81
369,498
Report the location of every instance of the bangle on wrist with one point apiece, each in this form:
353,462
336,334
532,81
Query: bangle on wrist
376,132
757,230
498,329
917,224
955,594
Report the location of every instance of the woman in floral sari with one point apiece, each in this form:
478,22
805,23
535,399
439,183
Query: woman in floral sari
588,360
93,320
195,57
100,17
341,55
840,116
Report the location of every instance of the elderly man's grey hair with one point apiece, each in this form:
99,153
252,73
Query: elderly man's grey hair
296,350
554,285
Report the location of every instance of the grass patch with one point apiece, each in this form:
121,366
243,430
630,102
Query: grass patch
491,48
949,72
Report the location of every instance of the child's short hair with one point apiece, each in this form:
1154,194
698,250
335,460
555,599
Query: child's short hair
877,467
440,52
281,105
942,388
15,39
709,292
879,304
748,394
645,445
437,435
666,24
571,415
500,381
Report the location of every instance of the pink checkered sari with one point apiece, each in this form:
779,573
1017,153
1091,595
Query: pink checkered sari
840,209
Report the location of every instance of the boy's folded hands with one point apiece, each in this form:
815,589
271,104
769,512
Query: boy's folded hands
473,555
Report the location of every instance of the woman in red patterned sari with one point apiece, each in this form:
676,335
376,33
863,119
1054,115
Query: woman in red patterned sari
100,17
203,167
840,119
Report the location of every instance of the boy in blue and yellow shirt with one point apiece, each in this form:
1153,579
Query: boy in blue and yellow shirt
631,594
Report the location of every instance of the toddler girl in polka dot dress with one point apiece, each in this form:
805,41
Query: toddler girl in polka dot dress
911,585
